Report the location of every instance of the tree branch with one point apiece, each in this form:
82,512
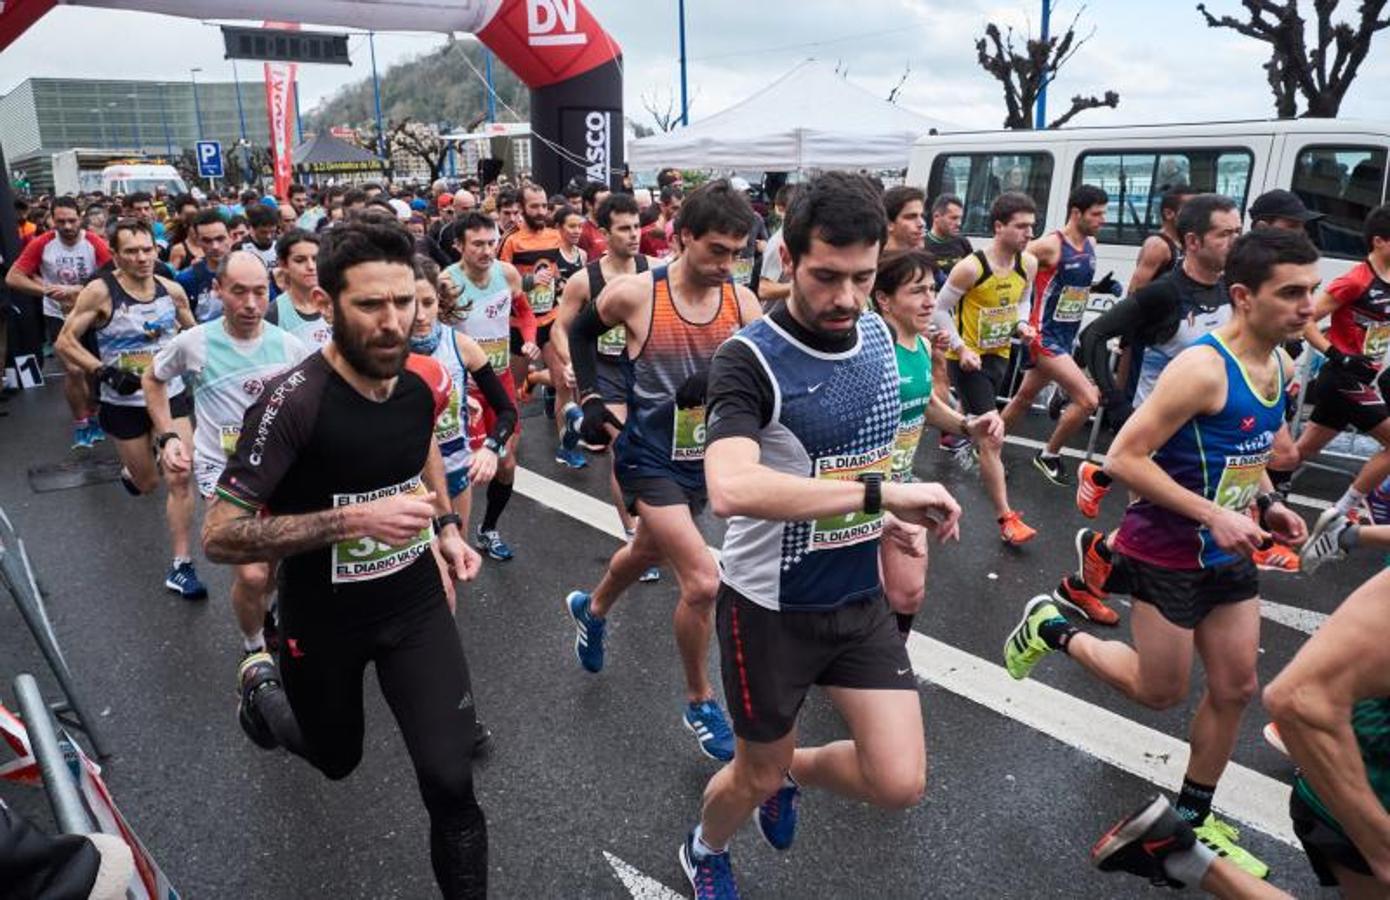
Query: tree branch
1080,104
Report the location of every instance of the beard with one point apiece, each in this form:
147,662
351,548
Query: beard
537,223
358,351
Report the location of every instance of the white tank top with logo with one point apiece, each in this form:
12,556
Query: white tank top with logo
485,313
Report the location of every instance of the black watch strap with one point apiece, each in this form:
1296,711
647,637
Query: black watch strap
164,438
447,519
873,492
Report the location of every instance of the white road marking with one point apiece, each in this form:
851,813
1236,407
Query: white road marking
641,887
1244,795
1304,620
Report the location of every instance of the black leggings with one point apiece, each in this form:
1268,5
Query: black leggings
424,678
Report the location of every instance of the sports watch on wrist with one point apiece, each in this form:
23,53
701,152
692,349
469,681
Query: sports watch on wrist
441,522
873,492
164,438
496,446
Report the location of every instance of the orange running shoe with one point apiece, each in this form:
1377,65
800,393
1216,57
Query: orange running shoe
1013,530
1088,492
1277,558
1092,562
1072,593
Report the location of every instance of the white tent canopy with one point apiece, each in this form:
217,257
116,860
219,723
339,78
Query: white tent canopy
810,118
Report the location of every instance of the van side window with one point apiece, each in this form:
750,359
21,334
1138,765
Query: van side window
978,178
1344,183
1136,181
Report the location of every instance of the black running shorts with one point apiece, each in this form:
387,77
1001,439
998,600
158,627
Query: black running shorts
126,423
1340,400
978,391
1326,846
612,379
770,659
660,492
1185,596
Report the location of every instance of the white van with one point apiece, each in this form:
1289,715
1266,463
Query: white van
129,178
1336,166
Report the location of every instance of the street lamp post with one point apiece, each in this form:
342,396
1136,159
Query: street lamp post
1040,120
685,105
376,91
197,110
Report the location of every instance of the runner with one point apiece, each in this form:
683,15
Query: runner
675,316
618,217
803,416
211,232
1161,251
1066,268
55,266
946,246
1195,454
338,477
983,305
906,207
228,361
591,241
296,310
489,301
904,296
135,315
265,222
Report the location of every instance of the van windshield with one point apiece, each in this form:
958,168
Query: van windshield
171,186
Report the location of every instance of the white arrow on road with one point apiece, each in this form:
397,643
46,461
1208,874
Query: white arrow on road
640,886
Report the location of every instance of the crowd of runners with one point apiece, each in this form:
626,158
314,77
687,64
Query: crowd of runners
337,372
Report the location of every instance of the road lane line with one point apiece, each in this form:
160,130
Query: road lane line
641,887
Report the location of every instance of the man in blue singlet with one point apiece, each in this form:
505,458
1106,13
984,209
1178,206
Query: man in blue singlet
1195,453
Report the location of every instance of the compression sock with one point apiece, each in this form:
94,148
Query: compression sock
1189,866
1350,500
498,494
1057,633
1194,802
1282,481
904,623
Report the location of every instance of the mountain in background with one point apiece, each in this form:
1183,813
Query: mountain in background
436,88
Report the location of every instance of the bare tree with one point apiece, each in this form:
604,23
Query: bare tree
1024,72
1320,75
661,106
420,141
897,88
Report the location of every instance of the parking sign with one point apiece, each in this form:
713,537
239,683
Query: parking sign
209,159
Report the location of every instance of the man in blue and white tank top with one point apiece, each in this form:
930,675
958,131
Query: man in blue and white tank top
228,361
135,314
295,309
1195,454
803,413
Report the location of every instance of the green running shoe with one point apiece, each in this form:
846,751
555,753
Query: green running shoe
1221,837
1025,646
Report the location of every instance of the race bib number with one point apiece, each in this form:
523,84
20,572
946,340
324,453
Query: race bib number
856,527
542,298
497,350
613,341
449,426
227,437
996,326
1071,304
1377,340
367,559
905,448
1240,481
743,270
136,361
688,434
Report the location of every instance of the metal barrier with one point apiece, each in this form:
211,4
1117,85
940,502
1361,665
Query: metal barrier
58,782
17,575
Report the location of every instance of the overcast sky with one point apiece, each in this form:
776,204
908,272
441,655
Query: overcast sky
1162,59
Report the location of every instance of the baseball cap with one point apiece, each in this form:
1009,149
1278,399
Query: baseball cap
443,200
1282,204
417,204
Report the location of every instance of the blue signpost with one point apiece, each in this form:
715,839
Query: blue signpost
209,159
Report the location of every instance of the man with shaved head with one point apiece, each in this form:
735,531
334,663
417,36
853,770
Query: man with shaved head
231,358
464,202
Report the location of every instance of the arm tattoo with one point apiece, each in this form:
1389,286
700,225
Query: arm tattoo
254,539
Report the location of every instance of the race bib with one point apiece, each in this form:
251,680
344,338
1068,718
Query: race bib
743,270
688,434
367,559
856,527
449,426
1376,341
905,448
542,298
1071,304
497,350
996,326
227,437
613,341
136,361
1240,481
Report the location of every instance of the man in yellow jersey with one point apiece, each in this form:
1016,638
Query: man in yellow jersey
982,307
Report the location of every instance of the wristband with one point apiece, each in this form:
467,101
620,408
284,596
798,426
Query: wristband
496,446
873,492
442,522
165,438
1264,501
966,423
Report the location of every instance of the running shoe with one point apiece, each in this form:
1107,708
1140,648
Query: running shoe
128,483
1088,492
1056,403
1274,739
482,738
1325,545
1092,567
777,815
573,416
706,721
1051,469
1014,531
1139,843
1378,502
1325,522
570,458
588,641
1277,557
1072,593
94,432
81,436
1025,647
1221,837
183,580
491,543
711,876
256,676
967,456
652,574
953,442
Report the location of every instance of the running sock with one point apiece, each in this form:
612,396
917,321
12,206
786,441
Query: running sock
904,622
180,560
255,643
1281,480
1350,500
1050,457
1194,802
1057,633
701,848
1349,537
1189,866
498,494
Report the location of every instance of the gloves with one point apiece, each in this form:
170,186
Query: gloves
119,380
1117,409
691,393
593,427
1108,285
1359,367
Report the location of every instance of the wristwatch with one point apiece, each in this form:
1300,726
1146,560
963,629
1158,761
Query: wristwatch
873,492
440,522
496,446
966,423
164,438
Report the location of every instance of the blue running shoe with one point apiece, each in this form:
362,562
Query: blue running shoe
588,641
183,581
573,416
81,437
706,721
94,433
777,815
1378,501
491,543
571,458
711,875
